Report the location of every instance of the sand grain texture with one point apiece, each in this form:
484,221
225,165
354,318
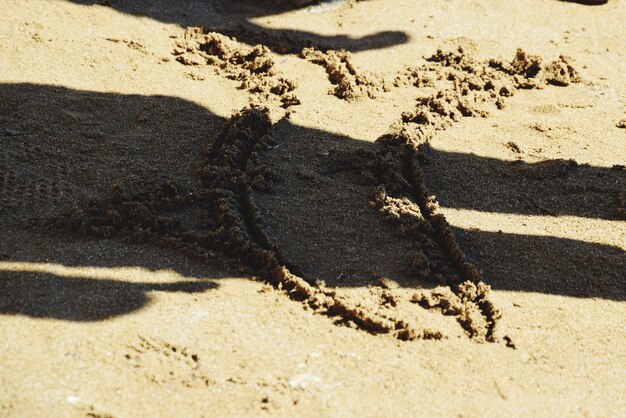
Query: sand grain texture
371,208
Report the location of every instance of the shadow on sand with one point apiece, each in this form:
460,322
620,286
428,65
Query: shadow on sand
63,148
234,18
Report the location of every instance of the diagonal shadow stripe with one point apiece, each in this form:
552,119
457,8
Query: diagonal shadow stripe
235,18
36,178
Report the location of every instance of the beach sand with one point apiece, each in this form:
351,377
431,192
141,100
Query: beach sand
373,208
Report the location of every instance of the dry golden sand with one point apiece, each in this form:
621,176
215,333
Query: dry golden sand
104,327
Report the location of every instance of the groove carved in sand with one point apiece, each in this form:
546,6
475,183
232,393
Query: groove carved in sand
253,67
219,215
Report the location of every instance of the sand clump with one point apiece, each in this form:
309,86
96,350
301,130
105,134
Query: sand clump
217,48
403,199
466,301
467,87
529,72
348,82
464,86
253,67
